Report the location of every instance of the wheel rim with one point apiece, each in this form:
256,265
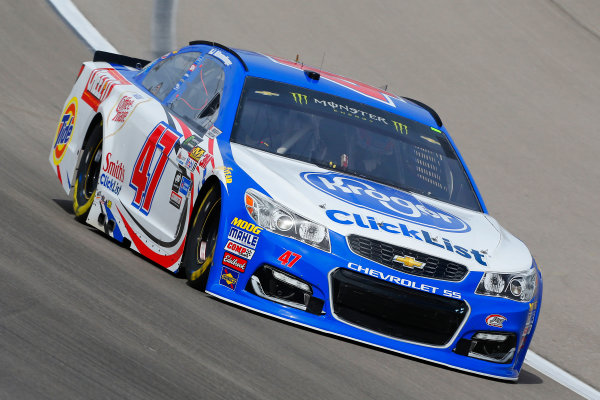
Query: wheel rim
206,242
93,172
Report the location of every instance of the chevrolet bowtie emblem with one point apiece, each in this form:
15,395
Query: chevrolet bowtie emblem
409,262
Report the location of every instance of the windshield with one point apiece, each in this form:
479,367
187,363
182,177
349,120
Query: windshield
353,138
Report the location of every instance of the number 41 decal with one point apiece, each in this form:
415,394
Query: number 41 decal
289,259
160,141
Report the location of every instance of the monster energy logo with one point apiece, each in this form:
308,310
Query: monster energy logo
403,129
300,98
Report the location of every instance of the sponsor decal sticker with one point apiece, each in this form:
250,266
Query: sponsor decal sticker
196,153
393,227
243,237
190,164
235,262
206,158
229,278
100,84
177,181
383,200
528,323
247,226
189,143
266,93
495,320
114,167
175,200
184,187
218,54
64,132
404,282
239,249
123,108
110,183
213,132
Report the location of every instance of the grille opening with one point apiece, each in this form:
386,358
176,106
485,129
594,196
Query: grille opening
383,253
395,311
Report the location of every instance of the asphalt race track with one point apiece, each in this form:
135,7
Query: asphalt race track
517,83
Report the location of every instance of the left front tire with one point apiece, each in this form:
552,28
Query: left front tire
88,173
202,240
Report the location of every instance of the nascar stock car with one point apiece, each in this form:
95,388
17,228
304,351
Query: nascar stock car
300,194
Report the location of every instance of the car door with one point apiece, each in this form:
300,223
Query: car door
153,140
187,88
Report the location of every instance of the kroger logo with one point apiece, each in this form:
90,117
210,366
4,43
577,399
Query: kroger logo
384,200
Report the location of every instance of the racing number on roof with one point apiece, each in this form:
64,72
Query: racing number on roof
369,91
160,141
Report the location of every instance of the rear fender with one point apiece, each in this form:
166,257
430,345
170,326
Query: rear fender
75,121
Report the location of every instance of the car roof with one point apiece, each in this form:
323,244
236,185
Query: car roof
294,73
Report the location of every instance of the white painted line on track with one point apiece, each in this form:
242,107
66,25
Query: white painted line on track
561,376
96,41
81,25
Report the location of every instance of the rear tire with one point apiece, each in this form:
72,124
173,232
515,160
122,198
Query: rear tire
202,240
88,173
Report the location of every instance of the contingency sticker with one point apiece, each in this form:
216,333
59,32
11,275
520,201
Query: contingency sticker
229,278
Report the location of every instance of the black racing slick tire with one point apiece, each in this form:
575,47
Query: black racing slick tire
202,240
88,172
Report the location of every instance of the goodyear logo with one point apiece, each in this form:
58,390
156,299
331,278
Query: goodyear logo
384,200
196,153
64,132
247,226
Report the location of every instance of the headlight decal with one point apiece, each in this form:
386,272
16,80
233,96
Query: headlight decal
278,219
520,286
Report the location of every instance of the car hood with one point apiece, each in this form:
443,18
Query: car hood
352,205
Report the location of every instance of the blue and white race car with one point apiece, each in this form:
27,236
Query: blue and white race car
300,194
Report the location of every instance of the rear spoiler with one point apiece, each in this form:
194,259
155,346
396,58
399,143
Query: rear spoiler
119,59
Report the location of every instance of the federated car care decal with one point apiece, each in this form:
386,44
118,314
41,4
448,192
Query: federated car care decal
383,200
64,132
100,84
229,278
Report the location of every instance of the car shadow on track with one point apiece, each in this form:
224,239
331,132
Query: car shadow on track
66,205
525,377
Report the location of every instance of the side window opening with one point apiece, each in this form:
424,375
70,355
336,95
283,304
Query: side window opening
161,79
198,101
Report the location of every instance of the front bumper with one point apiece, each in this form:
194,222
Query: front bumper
451,313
